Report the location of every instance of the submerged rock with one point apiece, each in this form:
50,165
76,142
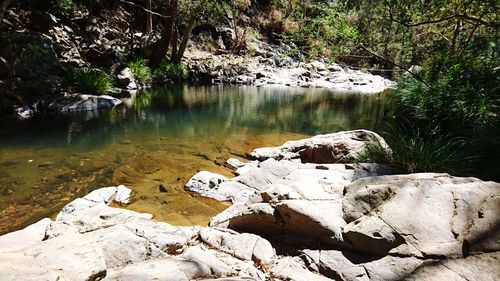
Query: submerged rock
76,103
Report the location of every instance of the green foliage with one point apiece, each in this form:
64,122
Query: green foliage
91,81
419,151
61,7
460,99
32,52
463,95
319,29
176,72
412,32
141,70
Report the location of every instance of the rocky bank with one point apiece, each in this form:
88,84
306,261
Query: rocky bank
269,65
40,50
292,219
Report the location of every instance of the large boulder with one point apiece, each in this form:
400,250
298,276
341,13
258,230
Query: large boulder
341,147
437,214
305,202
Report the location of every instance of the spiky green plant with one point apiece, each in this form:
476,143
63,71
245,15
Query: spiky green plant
141,70
419,151
91,81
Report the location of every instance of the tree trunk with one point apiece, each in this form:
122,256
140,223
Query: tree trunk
149,17
173,54
161,49
456,34
185,37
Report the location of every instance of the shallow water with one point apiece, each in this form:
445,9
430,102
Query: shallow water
160,138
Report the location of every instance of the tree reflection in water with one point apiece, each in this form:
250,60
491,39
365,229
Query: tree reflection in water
160,136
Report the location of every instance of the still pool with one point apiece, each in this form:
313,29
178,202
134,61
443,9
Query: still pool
155,141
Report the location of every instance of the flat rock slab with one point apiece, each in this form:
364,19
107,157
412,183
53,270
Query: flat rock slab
437,214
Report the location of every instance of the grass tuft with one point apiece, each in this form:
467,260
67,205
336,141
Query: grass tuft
91,81
141,70
415,151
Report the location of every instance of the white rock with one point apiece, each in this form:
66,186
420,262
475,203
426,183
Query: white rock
292,268
244,246
330,148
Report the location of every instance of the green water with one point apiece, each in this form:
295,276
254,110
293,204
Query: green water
160,137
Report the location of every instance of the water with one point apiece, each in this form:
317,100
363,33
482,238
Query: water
160,138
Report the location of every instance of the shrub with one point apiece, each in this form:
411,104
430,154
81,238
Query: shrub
91,81
141,70
61,7
419,151
464,95
176,72
33,52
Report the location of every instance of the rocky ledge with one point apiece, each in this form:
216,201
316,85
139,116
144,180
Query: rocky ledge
271,66
292,220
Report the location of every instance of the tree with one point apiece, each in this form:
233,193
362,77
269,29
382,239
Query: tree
161,48
180,19
149,16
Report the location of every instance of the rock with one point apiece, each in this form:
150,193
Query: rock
88,216
321,219
335,68
243,246
24,112
259,175
219,187
122,195
253,218
76,103
318,66
204,181
332,148
412,227
347,266
163,236
373,235
125,77
55,259
431,212
24,238
235,163
292,268
478,267
33,53
169,269
271,66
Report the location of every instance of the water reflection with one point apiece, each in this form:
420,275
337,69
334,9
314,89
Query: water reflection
160,136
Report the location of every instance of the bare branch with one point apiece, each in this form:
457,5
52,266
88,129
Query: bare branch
446,18
393,63
144,9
